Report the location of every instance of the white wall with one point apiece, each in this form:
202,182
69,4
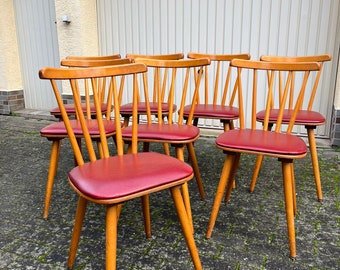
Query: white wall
280,27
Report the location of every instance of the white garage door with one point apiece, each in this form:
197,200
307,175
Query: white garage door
38,47
280,27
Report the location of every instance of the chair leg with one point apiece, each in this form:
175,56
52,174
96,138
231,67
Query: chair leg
194,163
146,214
126,120
289,204
227,166
185,189
166,149
293,188
256,172
54,157
315,161
186,228
258,166
232,183
81,208
229,125
111,237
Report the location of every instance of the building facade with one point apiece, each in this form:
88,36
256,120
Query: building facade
37,33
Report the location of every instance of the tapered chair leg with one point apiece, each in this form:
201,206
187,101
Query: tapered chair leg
146,214
315,161
289,201
293,188
187,230
81,208
227,166
166,149
185,188
231,182
256,172
52,170
229,125
194,163
111,237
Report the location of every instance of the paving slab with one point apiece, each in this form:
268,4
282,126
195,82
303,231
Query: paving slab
250,231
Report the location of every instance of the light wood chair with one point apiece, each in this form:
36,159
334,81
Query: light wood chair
216,99
112,180
279,143
306,116
175,133
56,132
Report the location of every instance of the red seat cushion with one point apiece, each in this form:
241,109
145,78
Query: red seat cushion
262,141
303,117
70,109
58,129
120,176
164,132
213,111
127,108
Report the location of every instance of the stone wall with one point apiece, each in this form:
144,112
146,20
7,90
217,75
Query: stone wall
11,100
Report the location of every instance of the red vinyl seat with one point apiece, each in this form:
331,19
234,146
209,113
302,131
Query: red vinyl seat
302,117
97,181
270,143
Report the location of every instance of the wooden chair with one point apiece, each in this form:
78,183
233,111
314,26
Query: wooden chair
178,135
306,116
112,180
126,109
215,101
56,132
279,143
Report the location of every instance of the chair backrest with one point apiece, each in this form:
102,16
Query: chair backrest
173,56
284,72
217,78
100,57
291,59
69,62
174,86
86,63
74,77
